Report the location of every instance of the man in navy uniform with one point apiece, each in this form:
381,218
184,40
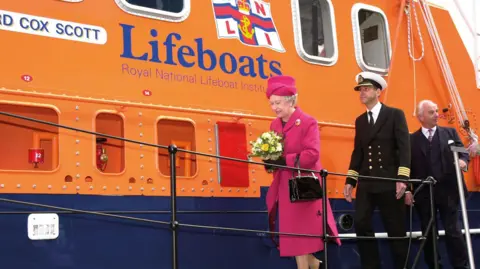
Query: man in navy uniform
431,156
381,149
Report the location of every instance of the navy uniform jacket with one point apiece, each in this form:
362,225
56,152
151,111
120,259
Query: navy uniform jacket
383,151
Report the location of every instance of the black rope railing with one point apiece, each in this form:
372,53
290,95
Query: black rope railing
174,223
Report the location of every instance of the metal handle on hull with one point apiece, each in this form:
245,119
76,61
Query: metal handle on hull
468,238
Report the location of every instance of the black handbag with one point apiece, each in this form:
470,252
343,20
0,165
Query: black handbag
304,188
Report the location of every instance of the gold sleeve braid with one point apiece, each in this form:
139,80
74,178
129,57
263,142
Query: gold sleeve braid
352,174
404,171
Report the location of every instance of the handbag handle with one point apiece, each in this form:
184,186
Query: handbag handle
297,164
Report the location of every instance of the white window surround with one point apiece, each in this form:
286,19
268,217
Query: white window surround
297,28
358,40
155,13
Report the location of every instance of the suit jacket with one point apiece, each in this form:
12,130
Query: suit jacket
448,182
383,151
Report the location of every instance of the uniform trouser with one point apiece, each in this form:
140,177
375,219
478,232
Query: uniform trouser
392,212
447,205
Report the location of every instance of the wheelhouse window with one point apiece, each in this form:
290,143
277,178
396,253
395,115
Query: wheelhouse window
372,38
315,31
168,10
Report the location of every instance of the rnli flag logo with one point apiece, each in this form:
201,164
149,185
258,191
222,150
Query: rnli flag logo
249,21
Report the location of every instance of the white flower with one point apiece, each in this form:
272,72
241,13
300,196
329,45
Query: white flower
279,147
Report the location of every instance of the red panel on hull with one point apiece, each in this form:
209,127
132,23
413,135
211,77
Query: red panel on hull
232,143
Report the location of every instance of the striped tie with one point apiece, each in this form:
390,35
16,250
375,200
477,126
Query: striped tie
430,135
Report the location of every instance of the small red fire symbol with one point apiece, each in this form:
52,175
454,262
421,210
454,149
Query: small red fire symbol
27,78
36,156
147,92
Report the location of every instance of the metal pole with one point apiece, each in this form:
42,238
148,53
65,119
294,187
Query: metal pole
431,227
172,150
323,174
422,245
463,204
433,219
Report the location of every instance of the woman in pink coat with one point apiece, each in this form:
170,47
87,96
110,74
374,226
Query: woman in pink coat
302,138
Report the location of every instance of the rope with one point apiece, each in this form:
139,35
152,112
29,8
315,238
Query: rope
394,49
440,57
409,24
411,49
447,72
411,53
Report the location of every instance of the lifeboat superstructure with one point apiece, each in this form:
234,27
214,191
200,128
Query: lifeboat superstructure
193,74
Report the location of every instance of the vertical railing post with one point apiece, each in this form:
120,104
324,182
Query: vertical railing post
172,151
463,204
433,219
324,174
431,230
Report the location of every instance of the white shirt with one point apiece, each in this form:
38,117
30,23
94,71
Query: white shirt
426,133
375,111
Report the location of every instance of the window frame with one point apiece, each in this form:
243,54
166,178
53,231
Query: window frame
156,13
297,30
358,40
94,142
195,136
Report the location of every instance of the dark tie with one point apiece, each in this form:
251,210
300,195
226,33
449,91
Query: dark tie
430,136
370,118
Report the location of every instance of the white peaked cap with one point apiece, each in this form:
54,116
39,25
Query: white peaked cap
370,79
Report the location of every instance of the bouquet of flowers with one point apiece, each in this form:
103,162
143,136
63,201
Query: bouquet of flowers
269,146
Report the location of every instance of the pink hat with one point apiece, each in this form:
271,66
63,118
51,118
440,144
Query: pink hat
281,86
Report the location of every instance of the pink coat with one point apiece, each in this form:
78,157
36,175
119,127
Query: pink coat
301,136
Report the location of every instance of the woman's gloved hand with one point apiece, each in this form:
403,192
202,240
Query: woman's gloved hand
270,168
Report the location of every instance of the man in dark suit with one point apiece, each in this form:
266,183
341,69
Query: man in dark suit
381,149
431,156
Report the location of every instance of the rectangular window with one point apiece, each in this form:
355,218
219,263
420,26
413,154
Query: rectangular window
372,38
315,33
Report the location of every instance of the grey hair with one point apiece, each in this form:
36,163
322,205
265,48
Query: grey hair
292,98
421,104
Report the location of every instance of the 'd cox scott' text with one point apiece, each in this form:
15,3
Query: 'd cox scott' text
205,58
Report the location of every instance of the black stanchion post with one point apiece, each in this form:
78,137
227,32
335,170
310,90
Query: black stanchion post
172,151
422,245
431,227
434,226
324,174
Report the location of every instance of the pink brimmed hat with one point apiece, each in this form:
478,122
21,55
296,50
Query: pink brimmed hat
281,86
